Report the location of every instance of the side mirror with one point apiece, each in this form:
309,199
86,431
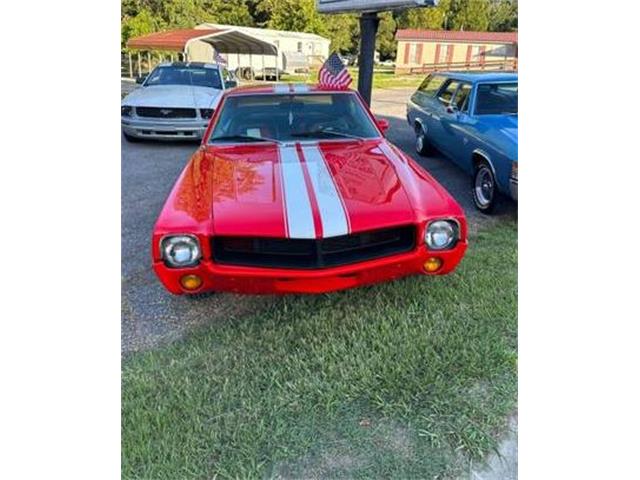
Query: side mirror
383,124
452,109
140,80
230,84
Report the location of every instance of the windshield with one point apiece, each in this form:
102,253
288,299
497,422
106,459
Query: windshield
497,98
176,75
292,117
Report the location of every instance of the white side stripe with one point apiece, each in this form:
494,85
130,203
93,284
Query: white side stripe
296,197
332,214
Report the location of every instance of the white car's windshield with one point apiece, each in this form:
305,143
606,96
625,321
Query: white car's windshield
183,75
292,117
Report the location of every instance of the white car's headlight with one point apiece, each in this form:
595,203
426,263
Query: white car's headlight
441,234
180,250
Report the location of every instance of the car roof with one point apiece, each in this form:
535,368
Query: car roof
477,77
284,89
189,64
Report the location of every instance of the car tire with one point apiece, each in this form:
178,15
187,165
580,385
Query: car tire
484,188
131,139
422,145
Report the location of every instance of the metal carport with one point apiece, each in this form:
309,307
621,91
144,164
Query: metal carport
228,41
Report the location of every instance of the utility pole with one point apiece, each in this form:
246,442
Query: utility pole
368,28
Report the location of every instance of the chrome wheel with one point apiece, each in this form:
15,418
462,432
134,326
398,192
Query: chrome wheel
422,144
484,187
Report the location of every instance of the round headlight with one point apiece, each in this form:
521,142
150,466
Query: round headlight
441,234
125,110
180,250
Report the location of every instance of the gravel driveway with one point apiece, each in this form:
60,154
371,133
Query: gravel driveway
150,315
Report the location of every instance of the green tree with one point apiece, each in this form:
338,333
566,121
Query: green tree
503,15
297,15
468,15
385,40
343,30
142,23
432,18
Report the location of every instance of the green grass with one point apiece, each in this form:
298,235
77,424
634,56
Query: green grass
382,78
400,380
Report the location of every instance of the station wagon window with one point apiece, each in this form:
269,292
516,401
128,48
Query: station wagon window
431,85
461,99
446,94
497,99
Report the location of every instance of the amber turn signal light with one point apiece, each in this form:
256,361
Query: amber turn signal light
191,282
432,264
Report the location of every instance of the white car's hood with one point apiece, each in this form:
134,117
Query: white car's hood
175,96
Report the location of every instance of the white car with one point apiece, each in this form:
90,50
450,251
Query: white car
175,101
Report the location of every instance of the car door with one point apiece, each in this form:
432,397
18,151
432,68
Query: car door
422,102
454,121
436,133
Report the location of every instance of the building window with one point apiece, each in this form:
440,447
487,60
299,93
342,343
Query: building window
446,53
300,47
417,57
412,53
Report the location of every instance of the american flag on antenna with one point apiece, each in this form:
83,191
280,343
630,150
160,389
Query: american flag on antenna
333,73
219,58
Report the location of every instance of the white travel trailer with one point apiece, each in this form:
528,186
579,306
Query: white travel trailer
297,51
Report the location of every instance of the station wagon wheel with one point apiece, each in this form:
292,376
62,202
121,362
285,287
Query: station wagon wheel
484,188
422,143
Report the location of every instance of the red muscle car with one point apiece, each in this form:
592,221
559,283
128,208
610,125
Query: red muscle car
295,189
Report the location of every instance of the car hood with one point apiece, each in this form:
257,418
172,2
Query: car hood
175,96
307,190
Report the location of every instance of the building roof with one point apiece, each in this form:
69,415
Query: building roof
266,32
169,40
223,40
457,36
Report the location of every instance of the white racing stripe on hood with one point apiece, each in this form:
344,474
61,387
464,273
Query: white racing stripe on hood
281,88
332,213
296,198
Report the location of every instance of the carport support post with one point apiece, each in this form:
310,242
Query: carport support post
264,75
139,66
368,28
130,67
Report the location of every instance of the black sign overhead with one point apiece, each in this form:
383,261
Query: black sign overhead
338,6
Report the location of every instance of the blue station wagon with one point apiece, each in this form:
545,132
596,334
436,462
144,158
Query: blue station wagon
472,118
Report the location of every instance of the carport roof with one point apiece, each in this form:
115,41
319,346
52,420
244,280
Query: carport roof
224,41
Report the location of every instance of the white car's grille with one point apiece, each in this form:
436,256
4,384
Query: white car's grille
159,112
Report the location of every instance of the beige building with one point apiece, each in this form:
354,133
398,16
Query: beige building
421,51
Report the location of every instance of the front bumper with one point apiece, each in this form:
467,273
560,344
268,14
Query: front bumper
167,129
253,280
513,188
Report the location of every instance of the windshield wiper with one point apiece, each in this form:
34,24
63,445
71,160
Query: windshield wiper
245,137
314,133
